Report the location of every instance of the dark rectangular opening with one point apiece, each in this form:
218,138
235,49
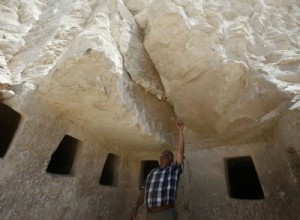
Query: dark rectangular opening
146,167
9,121
110,171
242,179
62,159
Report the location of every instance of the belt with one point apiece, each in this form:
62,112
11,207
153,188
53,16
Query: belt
160,208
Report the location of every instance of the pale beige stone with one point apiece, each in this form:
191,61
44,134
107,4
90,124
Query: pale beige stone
116,74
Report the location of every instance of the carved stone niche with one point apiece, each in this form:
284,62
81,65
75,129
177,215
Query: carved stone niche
9,121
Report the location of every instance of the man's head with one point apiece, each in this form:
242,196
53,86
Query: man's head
166,158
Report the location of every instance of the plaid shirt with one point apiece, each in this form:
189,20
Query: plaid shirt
161,185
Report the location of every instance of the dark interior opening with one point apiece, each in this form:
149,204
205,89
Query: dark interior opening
9,121
146,167
243,179
110,170
62,159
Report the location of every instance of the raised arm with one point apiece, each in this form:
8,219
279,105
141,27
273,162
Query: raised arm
180,142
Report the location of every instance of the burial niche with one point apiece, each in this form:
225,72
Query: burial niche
242,179
62,159
110,171
146,167
9,121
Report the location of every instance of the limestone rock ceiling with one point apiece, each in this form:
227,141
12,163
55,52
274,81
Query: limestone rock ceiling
117,67
228,67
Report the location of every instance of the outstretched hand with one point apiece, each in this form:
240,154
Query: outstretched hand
179,125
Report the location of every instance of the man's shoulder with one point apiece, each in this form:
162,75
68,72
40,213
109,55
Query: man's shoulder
176,165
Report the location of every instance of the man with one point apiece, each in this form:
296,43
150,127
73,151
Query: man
160,187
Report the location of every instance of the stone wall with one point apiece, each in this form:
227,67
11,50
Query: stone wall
28,191
115,75
209,195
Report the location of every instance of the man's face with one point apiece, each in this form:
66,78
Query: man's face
167,156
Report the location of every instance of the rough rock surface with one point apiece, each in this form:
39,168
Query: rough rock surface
234,64
115,74
86,53
227,68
